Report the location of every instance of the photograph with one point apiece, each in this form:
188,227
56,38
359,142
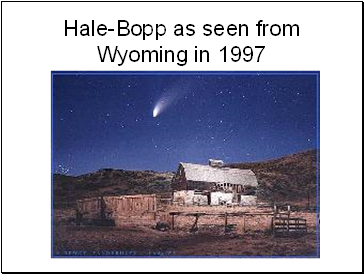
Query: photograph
167,164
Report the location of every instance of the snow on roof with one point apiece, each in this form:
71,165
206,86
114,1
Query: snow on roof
206,173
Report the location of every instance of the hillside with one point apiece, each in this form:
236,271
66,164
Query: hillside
67,189
288,179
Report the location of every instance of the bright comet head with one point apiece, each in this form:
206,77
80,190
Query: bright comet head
156,111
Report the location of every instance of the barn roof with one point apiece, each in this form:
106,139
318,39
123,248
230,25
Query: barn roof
206,173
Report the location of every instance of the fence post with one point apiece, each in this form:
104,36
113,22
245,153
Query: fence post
289,216
244,223
225,222
274,220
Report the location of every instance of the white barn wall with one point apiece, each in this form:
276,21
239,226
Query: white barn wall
218,197
248,200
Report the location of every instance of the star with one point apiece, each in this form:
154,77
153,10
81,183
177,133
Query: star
239,117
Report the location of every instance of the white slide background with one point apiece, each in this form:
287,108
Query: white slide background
33,44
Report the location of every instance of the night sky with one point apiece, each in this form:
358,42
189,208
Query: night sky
106,120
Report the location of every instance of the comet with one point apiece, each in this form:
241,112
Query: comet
156,111
161,105
169,97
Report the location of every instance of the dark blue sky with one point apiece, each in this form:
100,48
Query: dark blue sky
106,121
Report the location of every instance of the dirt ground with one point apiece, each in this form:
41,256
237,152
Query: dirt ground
140,238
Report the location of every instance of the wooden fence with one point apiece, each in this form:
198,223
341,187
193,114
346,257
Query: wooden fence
224,215
114,207
282,222
132,205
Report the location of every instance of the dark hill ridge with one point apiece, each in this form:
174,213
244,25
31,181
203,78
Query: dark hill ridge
67,189
288,179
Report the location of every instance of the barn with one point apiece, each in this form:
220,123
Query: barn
213,184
